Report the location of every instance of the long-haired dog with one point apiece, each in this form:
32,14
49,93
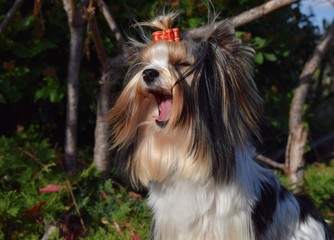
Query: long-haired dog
183,126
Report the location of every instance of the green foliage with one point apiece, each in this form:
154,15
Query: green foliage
53,90
35,192
319,184
26,161
12,82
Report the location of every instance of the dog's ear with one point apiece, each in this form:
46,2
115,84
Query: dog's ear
228,106
224,37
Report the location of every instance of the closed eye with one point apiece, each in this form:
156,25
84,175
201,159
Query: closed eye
182,64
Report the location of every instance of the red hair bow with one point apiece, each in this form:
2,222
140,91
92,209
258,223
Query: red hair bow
170,35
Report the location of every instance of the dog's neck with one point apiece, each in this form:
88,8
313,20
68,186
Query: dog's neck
183,209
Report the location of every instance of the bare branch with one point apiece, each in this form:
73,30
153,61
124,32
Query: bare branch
110,20
89,13
260,11
10,15
70,188
247,16
305,78
270,162
101,53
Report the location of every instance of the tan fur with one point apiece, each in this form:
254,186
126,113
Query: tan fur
133,117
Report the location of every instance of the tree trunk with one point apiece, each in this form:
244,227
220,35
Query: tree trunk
294,161
102,131
76,26
107,89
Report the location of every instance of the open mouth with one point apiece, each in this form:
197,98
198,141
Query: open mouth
164,102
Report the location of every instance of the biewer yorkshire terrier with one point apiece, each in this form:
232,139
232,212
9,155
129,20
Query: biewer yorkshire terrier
184,127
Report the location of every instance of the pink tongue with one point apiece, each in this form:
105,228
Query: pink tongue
165,109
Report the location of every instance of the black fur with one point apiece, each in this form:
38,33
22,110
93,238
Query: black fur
307,209
264,209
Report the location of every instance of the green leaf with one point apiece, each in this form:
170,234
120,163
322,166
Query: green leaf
286,53
270,57
260,42
259,58
13,211
194,22
239,34
26,23
41,94
53,95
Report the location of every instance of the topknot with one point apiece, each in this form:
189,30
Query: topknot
162,22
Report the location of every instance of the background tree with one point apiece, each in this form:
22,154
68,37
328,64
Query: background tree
295,162
76,25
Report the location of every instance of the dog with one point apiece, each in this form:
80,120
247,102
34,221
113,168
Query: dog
184,127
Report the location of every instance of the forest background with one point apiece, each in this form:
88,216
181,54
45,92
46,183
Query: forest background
61,67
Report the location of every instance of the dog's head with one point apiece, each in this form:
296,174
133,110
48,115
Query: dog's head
187,106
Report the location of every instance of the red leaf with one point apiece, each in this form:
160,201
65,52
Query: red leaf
35,210
135,237
104,195
51,188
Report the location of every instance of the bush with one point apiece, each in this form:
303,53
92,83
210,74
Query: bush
37,197
319,184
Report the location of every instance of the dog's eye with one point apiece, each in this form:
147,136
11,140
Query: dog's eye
182,64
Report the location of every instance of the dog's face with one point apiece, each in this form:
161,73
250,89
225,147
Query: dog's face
163,64
186,107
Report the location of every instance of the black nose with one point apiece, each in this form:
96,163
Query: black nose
149,75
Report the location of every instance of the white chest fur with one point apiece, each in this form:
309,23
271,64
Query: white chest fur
184,210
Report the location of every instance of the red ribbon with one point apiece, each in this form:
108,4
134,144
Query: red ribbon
170,35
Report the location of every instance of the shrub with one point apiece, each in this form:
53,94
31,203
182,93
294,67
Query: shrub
36,196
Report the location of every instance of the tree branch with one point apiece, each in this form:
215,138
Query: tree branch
270,162
260,11
247,16
110,20
10,15
305,78
101,53
90,16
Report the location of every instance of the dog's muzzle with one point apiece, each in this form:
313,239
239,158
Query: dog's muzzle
163,98
149,75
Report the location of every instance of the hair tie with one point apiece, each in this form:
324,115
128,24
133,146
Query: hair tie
170,35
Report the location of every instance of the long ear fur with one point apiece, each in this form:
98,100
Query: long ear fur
241,100
225,99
